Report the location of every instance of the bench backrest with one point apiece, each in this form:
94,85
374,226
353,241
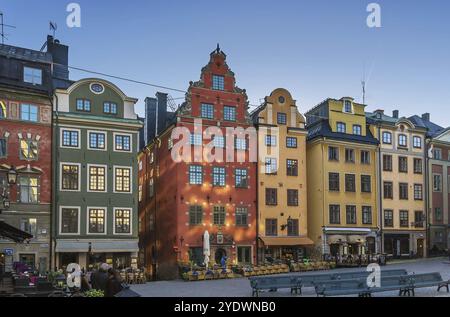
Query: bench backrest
351,284
426,278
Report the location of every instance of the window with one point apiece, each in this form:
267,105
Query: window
218,141
333,182
292,167
403,164
219,215
387,138
291,142
207,111
195,215
29,189
70,175
437,154
32,75
351,215
417,142
271,166
281,118
3,112
151,188
438,236
97,178
292,227
229,113
271,196
244,255
402,140
241,177
97,141
333,153
347,106
366,186
418,192
218,82
196,139
97,221
350,183
271,227
387,163
28,150
403,191
437,182
340,127
367,215
69,221
389,218
438,214
219,176
365,157
240,144
122,143
83,105
418,219
70,138
357,129
350,155
122,221
110,108
335,214
292,197
29,113
3,152
271,140
388,190
29,226
417,166
241,216
195,175
122,179
404,219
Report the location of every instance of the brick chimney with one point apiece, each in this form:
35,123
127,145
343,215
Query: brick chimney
395,114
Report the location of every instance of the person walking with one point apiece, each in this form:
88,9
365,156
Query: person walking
114,284
99,278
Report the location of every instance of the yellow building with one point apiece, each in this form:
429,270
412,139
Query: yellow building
342,179
282,190
402,183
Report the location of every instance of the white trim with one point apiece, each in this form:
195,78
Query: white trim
105,224
88,178
122,134
61,177
114,179
60,220
95,92
61,130
347,229
89,140
351,105
69,126
131,221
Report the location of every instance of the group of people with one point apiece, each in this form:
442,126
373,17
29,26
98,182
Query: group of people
105,279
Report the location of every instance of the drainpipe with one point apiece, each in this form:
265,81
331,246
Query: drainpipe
257,198
427,199
380,191
55,184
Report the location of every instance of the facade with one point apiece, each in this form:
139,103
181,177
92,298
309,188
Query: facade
402,184
342,179
96,140
183,200
281,181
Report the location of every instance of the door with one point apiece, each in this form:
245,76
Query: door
420,246
244,255
220,253
29,260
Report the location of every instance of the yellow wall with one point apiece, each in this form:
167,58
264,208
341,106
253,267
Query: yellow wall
336,114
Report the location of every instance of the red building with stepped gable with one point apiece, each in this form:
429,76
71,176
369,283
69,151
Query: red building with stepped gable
180,201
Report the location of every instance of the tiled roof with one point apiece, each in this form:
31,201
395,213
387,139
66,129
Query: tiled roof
433,128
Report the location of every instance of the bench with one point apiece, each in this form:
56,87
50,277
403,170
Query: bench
274,283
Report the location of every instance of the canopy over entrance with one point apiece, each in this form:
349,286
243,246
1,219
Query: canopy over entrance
12,233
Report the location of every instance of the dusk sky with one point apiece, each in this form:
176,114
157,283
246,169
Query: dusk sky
316,49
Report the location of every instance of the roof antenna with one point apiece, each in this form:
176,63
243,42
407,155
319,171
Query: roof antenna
363,84
2,30
53,27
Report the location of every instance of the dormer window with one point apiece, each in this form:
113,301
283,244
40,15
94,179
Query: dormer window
340,127
83,105
218,82
357,129
32,75
347,106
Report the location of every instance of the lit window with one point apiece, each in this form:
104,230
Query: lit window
32,75
96,221
219,215
122,180
122,221
97,178
241,216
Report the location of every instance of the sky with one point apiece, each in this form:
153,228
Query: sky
316,49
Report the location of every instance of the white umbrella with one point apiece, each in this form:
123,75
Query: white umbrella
206,248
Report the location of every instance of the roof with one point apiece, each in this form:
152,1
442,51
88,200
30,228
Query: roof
433,128
25,54
321,129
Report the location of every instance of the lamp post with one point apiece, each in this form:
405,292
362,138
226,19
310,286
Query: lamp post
11,179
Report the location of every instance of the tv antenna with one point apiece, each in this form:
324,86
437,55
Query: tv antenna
3,26
53,27
363,83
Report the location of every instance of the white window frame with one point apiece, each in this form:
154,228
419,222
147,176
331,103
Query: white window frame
114,221
89,140
33,75
89,208
61,134
60,220
114,179
61,177
88,178
122,134
351,106
415,137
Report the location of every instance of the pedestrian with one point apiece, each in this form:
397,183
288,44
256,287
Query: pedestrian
100,277
114,284
84,287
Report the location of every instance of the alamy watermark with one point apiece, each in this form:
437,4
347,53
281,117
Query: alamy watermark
73,19
374,18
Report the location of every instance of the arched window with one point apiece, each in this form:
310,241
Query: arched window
2,110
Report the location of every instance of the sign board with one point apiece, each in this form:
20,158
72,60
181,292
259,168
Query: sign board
8,251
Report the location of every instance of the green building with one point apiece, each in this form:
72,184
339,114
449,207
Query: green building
96,141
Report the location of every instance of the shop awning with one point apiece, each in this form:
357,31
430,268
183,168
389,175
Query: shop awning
71,246
287,241
115,246
336,239
11,233
356,239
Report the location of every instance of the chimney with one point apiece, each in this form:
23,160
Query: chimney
395,114
60,55
161,112
426,117
155,116
379,111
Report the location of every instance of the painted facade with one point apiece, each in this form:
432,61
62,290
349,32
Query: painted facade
282,191
96,137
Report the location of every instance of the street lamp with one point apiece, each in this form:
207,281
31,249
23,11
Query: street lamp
12,179
12,176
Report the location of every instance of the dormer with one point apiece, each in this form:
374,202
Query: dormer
347,105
